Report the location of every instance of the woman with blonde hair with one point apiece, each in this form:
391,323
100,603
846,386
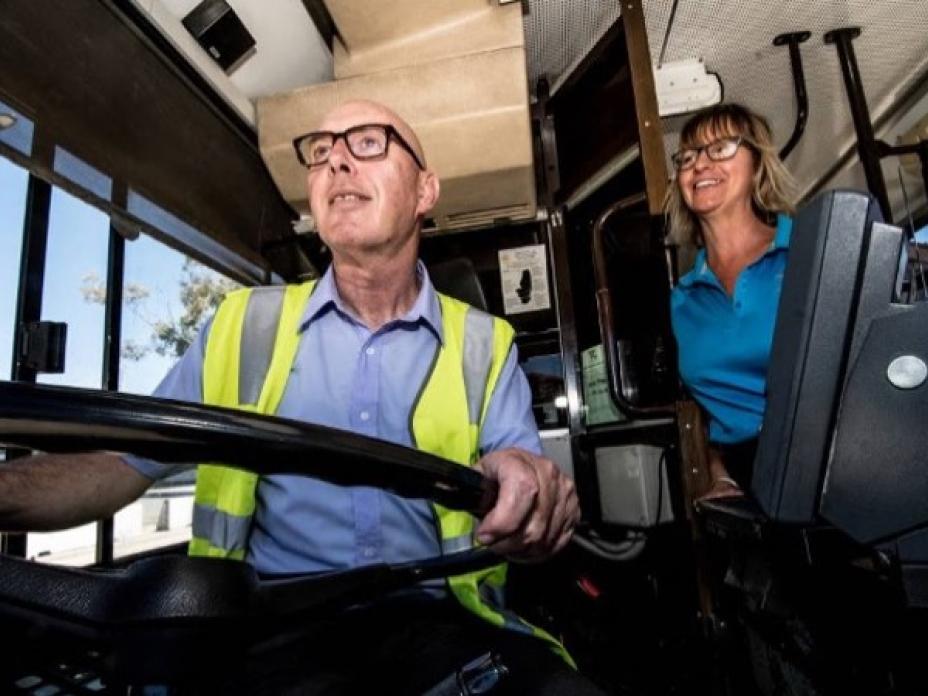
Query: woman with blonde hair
733,198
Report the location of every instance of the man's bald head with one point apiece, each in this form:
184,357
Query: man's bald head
371,206
357,111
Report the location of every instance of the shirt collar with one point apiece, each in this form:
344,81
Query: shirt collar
425,310
701,273
782,235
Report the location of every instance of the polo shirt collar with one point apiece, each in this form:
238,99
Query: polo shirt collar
425,310
701,273
784,230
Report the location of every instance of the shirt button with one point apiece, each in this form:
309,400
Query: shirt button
370,350
368,552
365,415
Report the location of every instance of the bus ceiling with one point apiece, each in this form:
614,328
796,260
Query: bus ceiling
194,138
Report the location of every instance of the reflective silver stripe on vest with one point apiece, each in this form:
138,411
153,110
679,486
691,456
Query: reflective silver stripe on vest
492,596
512,622
259,334
220,529
478,357
458,543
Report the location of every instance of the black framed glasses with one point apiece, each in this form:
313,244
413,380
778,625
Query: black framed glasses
368,141
717,151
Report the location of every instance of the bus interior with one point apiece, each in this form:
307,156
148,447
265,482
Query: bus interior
146,168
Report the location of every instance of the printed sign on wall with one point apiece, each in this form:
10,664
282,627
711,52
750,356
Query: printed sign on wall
524,275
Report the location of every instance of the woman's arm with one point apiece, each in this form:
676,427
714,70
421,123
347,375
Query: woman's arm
723,485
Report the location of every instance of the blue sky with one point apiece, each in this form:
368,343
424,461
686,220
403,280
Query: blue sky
12,205
77,246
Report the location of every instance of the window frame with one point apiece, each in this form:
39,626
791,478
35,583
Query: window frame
178,235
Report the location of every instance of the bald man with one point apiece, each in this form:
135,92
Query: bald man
371,348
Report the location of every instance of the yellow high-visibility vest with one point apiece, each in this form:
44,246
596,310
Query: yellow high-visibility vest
249,353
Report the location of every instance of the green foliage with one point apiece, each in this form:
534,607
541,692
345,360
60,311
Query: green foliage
201,291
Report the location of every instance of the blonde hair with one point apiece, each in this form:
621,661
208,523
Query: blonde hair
774,187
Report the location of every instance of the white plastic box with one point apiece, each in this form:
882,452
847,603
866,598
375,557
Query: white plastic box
633,486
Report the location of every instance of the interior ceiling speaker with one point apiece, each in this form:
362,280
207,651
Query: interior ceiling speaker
220,32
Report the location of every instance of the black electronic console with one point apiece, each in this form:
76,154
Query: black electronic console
844,437
876,485
813,327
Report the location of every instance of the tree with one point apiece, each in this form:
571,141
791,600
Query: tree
201,291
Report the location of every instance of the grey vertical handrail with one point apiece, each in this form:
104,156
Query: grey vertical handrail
857,101
606,322
792,40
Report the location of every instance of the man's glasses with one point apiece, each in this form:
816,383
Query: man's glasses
368,141
718,151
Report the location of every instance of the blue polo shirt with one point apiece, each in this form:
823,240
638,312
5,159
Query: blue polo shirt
346,376
724,342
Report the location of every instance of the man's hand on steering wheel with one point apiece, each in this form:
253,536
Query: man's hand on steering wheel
536,510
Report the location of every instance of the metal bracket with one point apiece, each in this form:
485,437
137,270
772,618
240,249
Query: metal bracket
43,346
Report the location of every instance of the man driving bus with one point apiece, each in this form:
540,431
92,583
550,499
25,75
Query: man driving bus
370,348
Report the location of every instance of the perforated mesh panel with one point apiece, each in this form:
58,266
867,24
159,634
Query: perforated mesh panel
734,37
558,33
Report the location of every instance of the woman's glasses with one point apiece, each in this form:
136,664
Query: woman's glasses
717,151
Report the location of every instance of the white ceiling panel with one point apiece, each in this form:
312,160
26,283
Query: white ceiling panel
289,53
559,33
734,38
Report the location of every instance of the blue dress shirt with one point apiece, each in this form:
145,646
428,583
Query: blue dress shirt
346,376
724,342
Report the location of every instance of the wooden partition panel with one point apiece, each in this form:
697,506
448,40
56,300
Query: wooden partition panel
650,133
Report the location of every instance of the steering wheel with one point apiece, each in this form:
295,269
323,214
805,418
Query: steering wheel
191,606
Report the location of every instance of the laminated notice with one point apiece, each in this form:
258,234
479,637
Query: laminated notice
524,277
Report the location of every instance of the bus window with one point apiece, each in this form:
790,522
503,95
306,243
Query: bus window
75,267
13,183
167,296
76,257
